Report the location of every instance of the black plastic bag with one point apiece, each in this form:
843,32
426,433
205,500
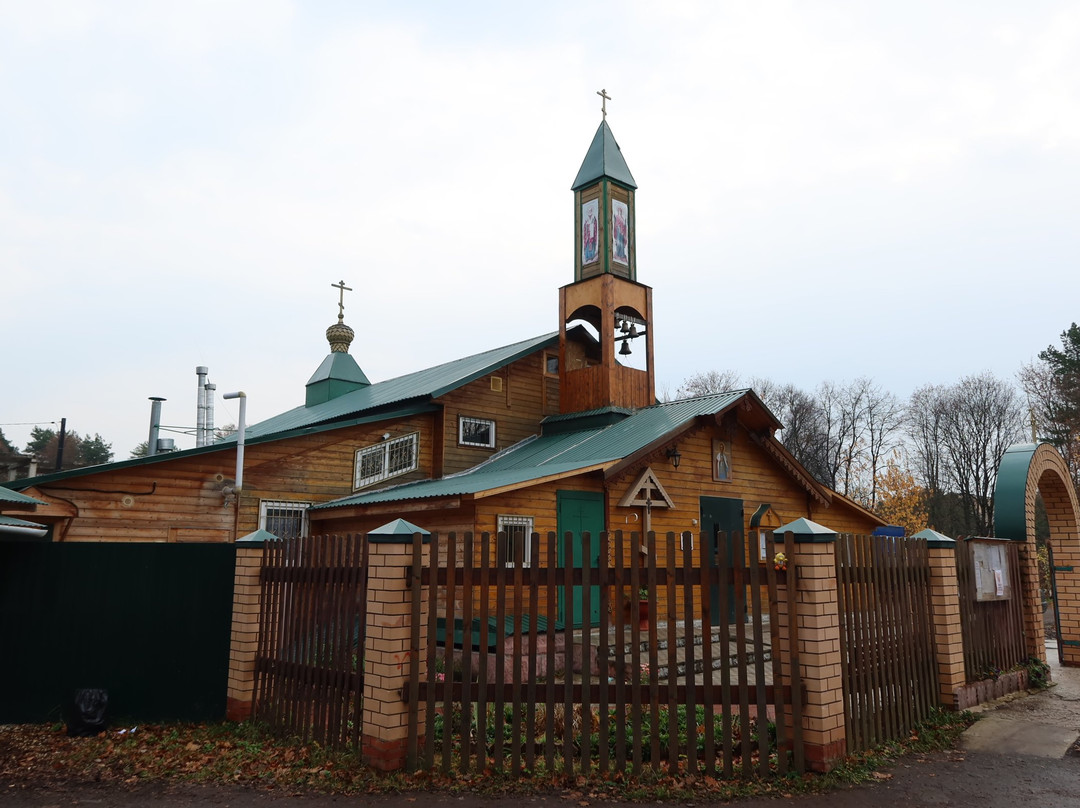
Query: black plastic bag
86,713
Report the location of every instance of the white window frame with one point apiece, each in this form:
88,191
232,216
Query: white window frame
385,452
513,521
467,419
283,504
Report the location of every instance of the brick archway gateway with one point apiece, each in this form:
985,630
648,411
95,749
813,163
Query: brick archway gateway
1025,471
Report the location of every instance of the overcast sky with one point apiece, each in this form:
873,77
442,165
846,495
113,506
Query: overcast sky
827,190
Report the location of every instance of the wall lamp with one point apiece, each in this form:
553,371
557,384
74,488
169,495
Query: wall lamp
674,456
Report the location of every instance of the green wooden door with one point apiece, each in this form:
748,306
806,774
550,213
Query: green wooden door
723,515
579,512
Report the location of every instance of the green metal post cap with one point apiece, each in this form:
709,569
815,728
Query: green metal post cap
397,532
935,539
806,532
258,537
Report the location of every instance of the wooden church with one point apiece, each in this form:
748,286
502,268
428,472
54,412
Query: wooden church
612,458
560,433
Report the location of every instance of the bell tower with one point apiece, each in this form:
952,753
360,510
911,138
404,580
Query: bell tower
605,315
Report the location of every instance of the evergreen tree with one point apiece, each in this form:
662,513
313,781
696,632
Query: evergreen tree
1062,407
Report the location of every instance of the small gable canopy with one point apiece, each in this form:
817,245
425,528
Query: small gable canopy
646,490
13,500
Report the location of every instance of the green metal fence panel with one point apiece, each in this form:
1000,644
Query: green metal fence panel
150,623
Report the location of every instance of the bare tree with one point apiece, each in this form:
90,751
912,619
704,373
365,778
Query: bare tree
800,415
923,417
982,417
843,416
708,382
884,419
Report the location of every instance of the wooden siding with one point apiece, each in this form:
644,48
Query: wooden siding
181,499
756,478
516,409
143,503
319,467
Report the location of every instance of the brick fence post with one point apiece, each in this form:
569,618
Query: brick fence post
947,626
811,581
244,639
387,648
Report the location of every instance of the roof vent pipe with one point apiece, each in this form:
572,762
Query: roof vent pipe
200,411
155,425
210,388
241,428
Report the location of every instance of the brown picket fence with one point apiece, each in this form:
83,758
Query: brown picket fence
886,637
503,685
309,672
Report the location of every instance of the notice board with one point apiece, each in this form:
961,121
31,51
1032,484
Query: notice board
992,579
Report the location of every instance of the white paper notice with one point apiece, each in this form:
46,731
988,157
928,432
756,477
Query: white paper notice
999,583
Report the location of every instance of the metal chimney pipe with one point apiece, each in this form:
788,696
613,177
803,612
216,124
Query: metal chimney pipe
155,425
241,428
200,412
209,391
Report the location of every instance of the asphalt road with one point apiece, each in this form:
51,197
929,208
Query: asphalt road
962,779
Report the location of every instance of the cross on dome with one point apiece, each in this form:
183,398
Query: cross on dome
340,285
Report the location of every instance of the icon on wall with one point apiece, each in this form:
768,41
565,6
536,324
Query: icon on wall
620,232
590,231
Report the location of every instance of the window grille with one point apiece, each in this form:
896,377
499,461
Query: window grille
286,520
515,535
388,459
476,432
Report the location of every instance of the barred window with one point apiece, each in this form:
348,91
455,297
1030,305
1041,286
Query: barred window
286,520
476,432
515,536
388,459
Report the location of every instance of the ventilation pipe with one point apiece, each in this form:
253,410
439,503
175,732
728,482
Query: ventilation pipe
200,412
241,427
155,425
210,389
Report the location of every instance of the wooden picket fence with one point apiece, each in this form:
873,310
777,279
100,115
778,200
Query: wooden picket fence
993,629
504,686
309,672
886,637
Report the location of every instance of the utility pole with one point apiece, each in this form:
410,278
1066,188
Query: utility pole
60,444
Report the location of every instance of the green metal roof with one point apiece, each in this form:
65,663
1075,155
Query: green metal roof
395,398
604,159
1010,493
17,500
535,458
11,521
426,384
339,365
